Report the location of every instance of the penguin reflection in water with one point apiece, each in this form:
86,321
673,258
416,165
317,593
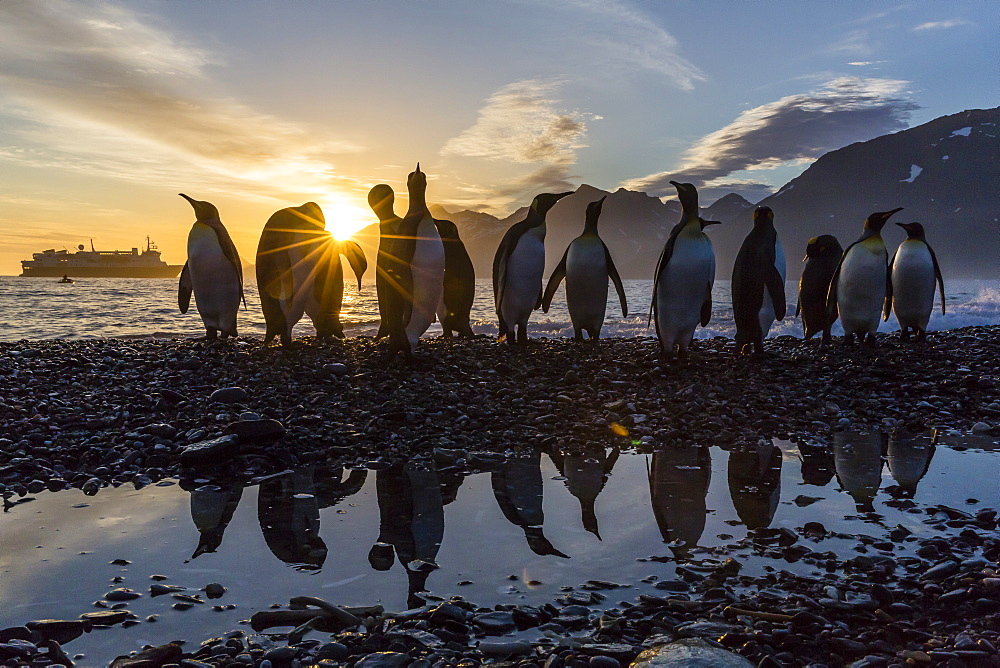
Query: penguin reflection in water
586,265
213,271
758,283
586,475
678,486
823,254
685,273
299,272
755,483
913,272
411,522
861,285
518,489
518,267
288,510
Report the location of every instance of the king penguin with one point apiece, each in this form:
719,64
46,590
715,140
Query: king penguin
381,199
860,285
823,254
213,271
685,273
518,267
299,271
758,283
420,253
459,282
913,272
586,265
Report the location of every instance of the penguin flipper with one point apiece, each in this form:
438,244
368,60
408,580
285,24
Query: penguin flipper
798,307
706,310
507,245
616,279
937,275
888,288
831,295
661,264
356,257
776,288
554,280
184,289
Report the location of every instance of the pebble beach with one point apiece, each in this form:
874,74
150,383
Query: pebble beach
111,412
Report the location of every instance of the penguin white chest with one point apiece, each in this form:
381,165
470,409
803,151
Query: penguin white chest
215,282
683,287
427,270
913,282
766,317
525,266
861,287
586,284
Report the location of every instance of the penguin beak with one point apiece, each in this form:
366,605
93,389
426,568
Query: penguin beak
711,222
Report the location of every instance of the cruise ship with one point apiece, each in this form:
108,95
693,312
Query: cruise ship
105,264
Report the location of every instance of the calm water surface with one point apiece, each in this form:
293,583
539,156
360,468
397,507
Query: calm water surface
518,533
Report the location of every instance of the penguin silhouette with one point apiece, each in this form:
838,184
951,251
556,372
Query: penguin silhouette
823,254
685,274
213,272
913,272
299,272
586,265
387,271
678,486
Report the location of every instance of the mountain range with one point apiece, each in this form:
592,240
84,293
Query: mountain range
944,173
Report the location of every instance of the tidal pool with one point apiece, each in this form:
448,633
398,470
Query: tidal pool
520,531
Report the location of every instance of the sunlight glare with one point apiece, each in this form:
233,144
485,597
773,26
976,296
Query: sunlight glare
344,217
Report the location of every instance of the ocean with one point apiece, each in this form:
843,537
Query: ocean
43,308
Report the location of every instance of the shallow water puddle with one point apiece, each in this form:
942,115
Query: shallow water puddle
518,533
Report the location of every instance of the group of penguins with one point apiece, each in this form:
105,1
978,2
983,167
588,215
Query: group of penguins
424,273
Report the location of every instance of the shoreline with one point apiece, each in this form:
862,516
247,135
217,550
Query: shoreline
71,402
93,413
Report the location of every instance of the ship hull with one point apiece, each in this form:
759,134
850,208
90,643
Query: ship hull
165,271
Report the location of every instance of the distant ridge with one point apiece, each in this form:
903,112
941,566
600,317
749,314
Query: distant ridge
945,173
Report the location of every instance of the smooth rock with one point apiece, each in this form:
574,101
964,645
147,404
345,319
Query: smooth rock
212,451
154,657
228,395
495,623
256,431
383,660
706,629
122,594
689,653
497,648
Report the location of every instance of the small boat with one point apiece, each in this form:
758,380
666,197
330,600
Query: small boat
66,279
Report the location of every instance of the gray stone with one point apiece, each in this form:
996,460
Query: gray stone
122,594
495,623
706,629
256,431
689,653
336,369
981,428
228,395
212,451
383,660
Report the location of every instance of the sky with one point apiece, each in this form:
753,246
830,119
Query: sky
109,110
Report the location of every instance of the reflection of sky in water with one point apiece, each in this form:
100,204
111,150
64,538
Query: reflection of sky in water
495,525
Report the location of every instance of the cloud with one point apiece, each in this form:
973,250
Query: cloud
796,128
520,123
91,79
629,36
854,43
941,25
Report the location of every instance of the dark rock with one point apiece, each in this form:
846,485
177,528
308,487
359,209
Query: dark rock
122,594
256,431
214,590
334,651
228,395
497,648
383,660
689,653
155,657
213,451
106,617
60,630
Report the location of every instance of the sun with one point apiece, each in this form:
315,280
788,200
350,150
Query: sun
344,217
